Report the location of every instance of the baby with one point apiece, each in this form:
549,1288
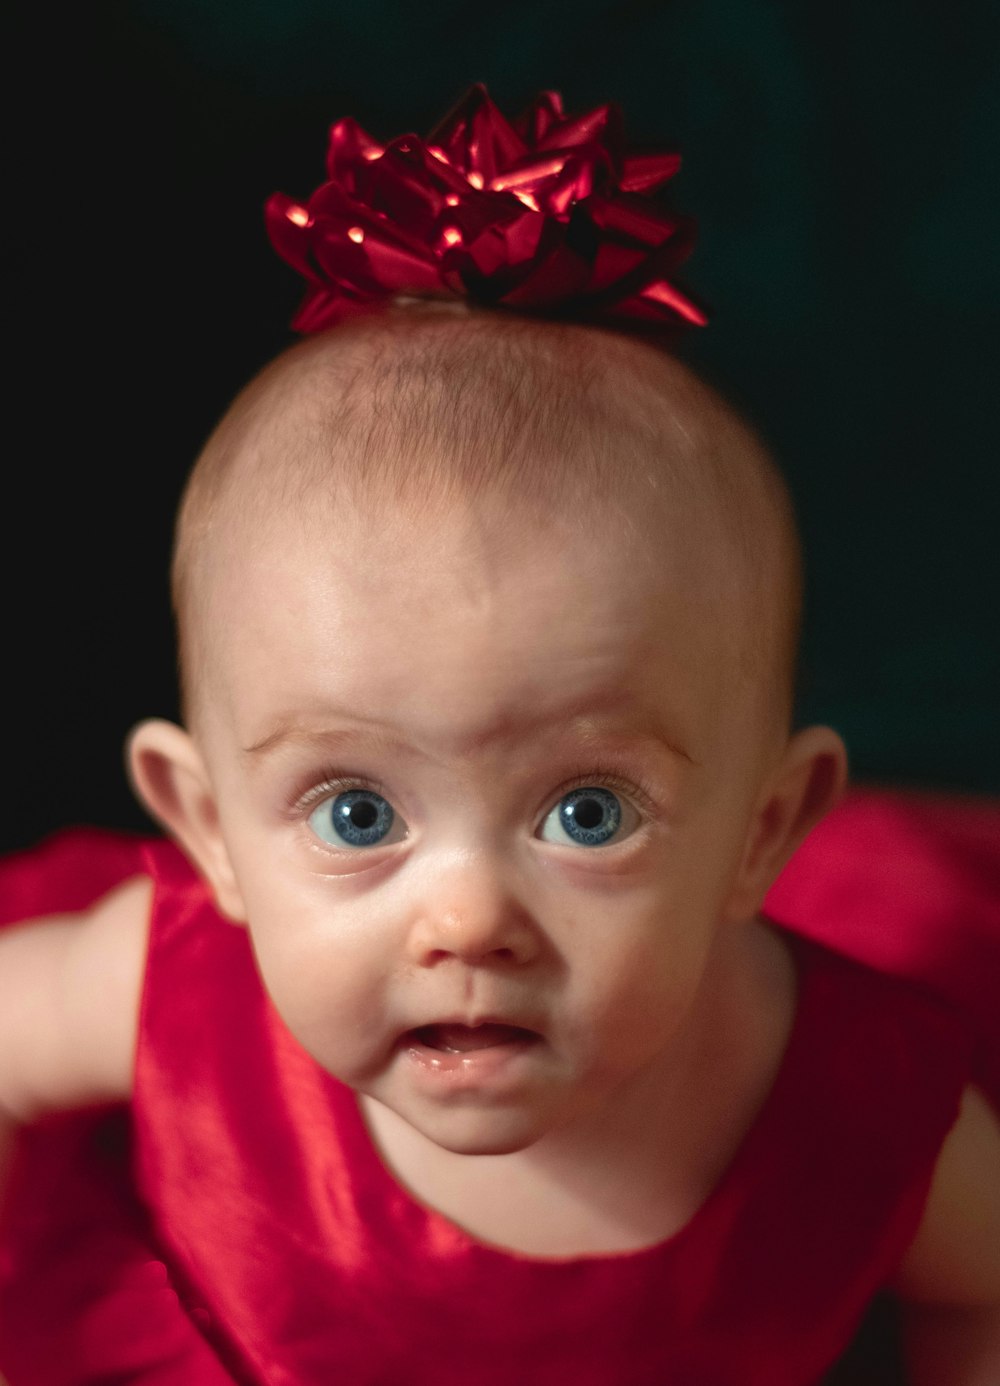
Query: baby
494,1072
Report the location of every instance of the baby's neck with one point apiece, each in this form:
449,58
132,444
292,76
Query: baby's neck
601,1186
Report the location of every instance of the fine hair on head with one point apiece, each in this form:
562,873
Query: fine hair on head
421,409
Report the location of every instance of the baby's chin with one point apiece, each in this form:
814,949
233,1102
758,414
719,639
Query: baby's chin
487,1143
480,1133
470,1130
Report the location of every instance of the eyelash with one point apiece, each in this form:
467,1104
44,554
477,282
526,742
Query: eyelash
641,794
336,782
333,782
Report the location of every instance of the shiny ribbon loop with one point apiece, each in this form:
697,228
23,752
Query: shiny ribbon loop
543,214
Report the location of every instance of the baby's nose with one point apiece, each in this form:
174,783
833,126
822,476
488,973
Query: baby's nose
472,914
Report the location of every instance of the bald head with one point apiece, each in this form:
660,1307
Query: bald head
406,416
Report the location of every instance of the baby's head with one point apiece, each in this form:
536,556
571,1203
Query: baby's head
488,634
425,421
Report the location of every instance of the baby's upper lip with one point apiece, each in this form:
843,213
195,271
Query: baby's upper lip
475,1021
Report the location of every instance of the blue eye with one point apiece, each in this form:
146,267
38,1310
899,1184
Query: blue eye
356,818
587,817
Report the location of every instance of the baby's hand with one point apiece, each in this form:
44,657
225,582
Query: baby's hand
70,987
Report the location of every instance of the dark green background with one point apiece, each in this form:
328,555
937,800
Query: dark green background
842,161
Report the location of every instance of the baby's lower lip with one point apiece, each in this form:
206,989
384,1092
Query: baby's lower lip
468,1056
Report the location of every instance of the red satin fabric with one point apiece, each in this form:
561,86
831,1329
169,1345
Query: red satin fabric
85,1299
909,883
293,1252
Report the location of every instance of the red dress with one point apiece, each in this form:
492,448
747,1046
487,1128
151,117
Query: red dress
268,1243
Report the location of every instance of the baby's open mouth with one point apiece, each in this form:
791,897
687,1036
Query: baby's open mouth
461,1039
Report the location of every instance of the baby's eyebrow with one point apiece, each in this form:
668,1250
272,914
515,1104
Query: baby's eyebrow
375,736
332,728
294,733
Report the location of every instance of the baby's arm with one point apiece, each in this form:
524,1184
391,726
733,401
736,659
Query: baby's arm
70,987
949,1283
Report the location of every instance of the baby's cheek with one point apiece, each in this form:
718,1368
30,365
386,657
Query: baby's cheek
638,991
333,1007
305,968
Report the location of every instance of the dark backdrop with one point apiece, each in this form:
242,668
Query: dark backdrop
841,160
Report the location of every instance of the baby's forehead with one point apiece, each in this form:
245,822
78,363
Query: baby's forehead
418,410
483,429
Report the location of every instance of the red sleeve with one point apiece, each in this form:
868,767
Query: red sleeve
909,884
84,1299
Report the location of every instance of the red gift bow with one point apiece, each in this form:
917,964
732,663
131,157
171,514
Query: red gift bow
546,214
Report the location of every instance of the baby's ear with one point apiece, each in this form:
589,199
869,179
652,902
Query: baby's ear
805,785
170,779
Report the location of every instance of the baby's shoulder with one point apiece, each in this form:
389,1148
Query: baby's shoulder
836,984
872,1054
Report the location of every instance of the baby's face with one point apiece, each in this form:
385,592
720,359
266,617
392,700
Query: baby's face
480,775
